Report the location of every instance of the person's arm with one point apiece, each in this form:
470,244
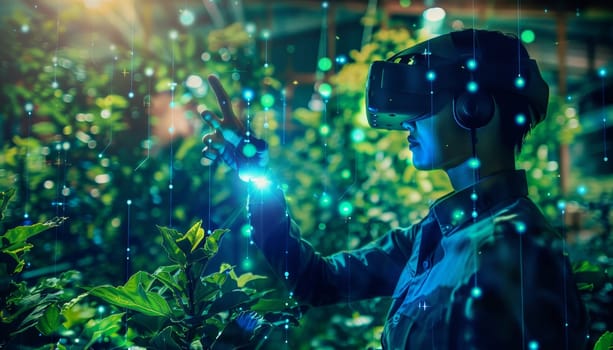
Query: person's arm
317,280
345,276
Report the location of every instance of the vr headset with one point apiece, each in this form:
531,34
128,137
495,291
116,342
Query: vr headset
404,88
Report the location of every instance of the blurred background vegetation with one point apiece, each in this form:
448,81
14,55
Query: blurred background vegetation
99,113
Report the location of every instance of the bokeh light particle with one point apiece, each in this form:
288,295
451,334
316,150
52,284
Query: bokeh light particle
325,90
325,200
249,150
267,100
324,64
472,86
358,135
324,130
527,36
187,18
345,208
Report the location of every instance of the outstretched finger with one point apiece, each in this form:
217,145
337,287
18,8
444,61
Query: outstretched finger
229,119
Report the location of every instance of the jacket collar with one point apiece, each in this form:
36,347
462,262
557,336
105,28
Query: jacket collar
457,208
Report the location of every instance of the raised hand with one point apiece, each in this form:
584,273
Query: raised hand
229,141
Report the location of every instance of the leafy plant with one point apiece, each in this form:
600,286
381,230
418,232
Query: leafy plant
178,305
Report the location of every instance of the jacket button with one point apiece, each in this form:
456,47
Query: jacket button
425,264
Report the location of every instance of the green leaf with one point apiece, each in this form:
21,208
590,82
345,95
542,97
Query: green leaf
5,197
210,247
165,340
50,320
268,305
169,243
229,301
247,277
193,236
605,342
22,233
585,266
107,326
134,296
166,275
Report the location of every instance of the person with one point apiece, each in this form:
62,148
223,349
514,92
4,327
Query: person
484,269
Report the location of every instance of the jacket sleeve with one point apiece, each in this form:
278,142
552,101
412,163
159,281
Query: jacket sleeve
523,297
317,280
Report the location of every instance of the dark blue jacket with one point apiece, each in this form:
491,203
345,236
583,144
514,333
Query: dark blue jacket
483,270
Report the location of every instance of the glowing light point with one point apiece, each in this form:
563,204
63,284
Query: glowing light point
54,85
129,202
324,4
267,100
324,130
25,28
324,64
605,158
471,64
247,264
358,135
345,208
249,150
520,119
474,163
130,94
602,72
457,214
434,14
187,18
29,107
325,200
473,196
476,292
173,34
533,345
527,36
431,75
520,82
472,86
248,94
582,190
341,59
346,174
286,274
474,214
561,205
325,90
148,71
520,227
246,230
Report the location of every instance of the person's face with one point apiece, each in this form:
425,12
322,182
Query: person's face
438,142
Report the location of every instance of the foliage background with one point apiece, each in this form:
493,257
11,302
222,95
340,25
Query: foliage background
63,101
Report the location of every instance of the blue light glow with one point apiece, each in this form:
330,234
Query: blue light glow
471,64
602,72
472,86
474,163
431,75
248,94
520,82
520,119
476,292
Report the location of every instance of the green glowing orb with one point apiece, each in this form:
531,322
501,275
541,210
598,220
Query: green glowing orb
267,100
345,208
527,36
325,90
324,64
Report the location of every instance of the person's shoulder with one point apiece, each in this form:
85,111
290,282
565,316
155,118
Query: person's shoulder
524,221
